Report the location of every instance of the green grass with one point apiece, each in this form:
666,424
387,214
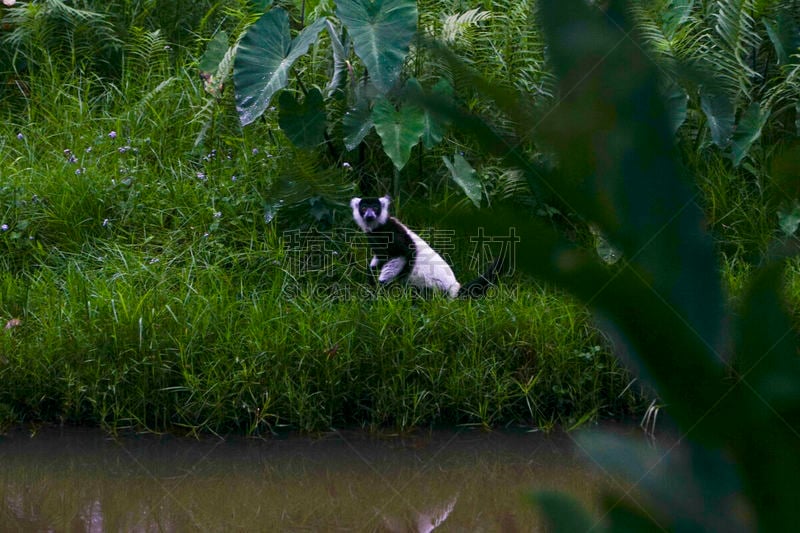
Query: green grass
121,341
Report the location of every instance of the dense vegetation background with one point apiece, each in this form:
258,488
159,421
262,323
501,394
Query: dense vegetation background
158,266
166,267
156,252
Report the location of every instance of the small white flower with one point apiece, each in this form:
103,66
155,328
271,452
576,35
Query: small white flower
4,227
217,214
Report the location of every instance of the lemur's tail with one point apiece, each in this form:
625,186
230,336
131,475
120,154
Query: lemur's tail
478,287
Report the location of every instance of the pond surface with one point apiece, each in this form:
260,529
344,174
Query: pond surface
84,480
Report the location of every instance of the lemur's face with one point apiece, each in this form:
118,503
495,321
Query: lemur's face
369,213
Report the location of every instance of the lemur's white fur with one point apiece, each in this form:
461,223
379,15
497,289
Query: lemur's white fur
429,270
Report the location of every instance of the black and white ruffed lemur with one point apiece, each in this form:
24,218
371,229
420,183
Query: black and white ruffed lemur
400,253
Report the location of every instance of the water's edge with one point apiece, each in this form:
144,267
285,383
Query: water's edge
80,479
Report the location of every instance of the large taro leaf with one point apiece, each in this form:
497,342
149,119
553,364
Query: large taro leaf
215,52
721,116
399,129
433,126
381,31
464,175
303,122
264,57
748,130
216,64
789,219
356,123
677,104
338,76
784,33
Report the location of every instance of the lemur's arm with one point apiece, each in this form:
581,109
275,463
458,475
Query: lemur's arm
392,269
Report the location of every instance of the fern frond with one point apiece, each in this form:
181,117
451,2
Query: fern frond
146,52
736,28
52,28
785,93
652,33
454,26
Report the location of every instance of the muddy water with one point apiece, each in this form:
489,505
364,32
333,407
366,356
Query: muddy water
83,480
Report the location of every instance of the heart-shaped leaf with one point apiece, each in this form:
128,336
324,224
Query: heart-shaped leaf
434,128
465,176
264,57
721,117
303,122
339,61
789,219
215,52
399,129
677,103
356,123
381,31
748,130
784,32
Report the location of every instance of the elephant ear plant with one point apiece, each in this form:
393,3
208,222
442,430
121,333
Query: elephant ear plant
730,379
369,43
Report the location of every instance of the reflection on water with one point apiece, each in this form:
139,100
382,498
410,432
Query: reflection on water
83,480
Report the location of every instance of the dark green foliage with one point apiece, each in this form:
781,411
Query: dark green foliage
663,304
381,31
736,60
264,57
146,283
303,122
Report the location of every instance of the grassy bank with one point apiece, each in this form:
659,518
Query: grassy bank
122,341
144,287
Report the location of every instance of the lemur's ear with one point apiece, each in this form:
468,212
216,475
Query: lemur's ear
385,201
354,202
